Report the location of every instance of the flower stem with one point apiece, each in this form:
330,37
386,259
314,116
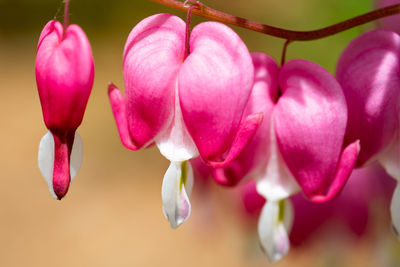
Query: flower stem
188,17
66,16
207,12
283,57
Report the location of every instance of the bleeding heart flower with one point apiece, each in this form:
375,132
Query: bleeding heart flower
300,143
369,72
64,75
185,105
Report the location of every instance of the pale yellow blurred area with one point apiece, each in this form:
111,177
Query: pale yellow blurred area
112,215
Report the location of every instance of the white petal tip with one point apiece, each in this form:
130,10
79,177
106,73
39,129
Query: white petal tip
395,210
175,193
273,227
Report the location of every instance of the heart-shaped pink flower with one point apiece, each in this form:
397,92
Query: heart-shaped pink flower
369,72
64,75
299,144
186,105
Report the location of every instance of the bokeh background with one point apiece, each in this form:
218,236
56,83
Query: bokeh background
112,214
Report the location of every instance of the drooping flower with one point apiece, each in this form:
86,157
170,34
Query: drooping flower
185,105
64,75
369,72
366,186
300,143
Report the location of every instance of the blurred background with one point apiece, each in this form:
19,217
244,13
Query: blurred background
112,215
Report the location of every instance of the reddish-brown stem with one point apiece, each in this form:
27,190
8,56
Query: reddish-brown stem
188,17
283,57
66,16
207,12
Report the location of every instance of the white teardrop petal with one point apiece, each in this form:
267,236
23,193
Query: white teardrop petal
395,210
277,181
176,204
272,230
76,156
46,160
390,159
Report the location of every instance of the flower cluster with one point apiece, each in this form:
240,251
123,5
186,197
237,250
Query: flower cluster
209,104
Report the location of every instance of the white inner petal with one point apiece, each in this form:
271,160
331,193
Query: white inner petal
76,156
277,181
175,192
390,158
273,228
395,210
175,142
46,158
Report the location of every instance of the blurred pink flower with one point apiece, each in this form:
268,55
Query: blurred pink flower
368,70
351,208
185,105
64,75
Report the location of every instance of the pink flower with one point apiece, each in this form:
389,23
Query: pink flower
186,106
64,75
300,143
368,71
366,186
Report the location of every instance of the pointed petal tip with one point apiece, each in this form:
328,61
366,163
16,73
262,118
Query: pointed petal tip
247,129
60,192
111,86
119,109
347,162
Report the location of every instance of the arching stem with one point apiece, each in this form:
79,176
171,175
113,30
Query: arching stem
207,12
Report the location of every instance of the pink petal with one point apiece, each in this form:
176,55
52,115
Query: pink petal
118,106
64,74
368,70
254,158
246,131
345,167
153,55
310,120
214,86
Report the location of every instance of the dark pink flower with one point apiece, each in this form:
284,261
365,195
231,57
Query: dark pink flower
351,208
369,72
64,75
